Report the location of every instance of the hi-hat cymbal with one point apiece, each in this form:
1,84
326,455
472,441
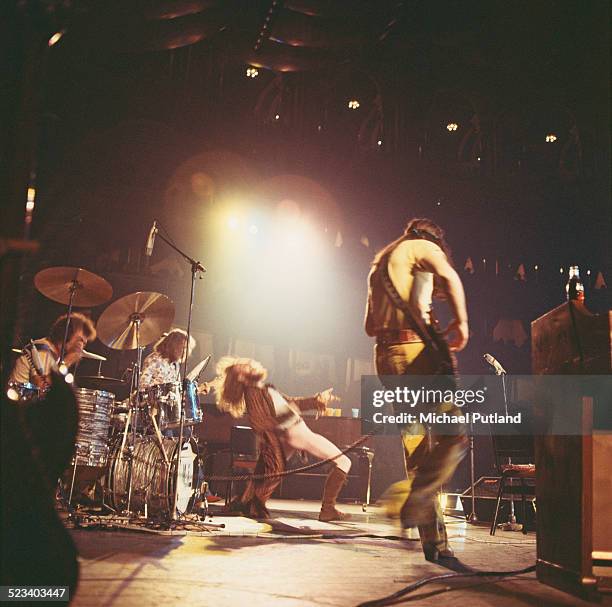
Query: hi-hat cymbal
118,387
89,288
152,312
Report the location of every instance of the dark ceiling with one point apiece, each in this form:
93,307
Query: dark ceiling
135,89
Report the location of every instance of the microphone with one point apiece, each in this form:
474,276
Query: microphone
151,239
499,370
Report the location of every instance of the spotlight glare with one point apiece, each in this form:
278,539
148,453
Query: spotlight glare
252,72
353,104
551,138
379,142
277,117
452,126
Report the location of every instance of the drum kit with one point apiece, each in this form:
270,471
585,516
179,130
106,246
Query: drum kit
119,444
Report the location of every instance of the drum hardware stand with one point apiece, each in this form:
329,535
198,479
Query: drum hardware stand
135,320
74,285
196,268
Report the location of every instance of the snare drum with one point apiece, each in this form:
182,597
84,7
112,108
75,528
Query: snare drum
163,401
95,410
23,392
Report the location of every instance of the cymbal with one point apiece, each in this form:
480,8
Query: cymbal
154,313
93,356
56,284
118,387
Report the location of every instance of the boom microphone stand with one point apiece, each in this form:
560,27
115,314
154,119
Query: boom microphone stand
510,524
196,269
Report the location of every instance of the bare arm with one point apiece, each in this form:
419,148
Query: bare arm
435,261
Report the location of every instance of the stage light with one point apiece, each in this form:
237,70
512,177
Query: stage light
561,270
353,104
56,38
253,229
31,199
12,394
277,117
252,72
588,272
478,158
452,126
551,138
379,142
535,268
69,379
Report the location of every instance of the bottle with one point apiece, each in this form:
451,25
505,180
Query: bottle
574,288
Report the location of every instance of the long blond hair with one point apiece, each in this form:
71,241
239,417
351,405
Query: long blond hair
233,376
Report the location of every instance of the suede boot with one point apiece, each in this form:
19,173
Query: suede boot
336,479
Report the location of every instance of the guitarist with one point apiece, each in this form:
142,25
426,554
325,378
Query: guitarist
405,276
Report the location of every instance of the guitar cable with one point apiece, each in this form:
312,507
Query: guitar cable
396,597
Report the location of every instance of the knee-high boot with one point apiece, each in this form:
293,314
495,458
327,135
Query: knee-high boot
336,479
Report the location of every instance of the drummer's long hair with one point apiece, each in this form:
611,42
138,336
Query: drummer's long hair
233,376
78,322
169,343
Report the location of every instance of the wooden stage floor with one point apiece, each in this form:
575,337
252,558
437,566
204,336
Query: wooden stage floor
296,561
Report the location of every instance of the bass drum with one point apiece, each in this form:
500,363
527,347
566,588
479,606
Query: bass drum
152,477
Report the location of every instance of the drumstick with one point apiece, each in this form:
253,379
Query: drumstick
159,438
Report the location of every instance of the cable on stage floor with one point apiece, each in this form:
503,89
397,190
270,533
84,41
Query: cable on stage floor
394,598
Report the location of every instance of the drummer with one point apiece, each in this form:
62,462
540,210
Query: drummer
162,366
48,349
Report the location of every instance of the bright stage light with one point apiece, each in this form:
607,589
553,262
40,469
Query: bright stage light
353,104
551,138
56,38
252,72
452,126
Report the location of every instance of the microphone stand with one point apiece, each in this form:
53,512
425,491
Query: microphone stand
510,524
472,518
196,268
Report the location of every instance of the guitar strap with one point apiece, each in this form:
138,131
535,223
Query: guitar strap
403,305
444,357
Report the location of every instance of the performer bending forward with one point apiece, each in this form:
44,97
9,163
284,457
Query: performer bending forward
276,420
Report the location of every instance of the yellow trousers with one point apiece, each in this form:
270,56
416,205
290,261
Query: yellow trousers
430,458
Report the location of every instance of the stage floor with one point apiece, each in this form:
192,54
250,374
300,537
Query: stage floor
294,560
